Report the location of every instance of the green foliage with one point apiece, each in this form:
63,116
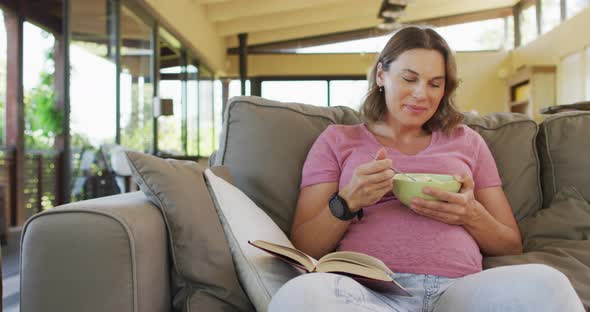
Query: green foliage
43,121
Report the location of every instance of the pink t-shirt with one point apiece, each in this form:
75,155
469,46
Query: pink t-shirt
405,241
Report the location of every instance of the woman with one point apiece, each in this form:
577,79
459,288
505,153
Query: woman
436,247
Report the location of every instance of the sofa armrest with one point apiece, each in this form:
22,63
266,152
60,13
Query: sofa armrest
106,254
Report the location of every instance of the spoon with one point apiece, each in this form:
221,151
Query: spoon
398,171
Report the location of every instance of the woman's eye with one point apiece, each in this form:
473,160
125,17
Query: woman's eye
435,85
409,79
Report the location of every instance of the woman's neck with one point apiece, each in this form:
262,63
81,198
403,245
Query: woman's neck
396,132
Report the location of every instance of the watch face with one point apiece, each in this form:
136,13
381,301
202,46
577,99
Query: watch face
338,207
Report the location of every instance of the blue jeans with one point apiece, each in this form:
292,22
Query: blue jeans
527,287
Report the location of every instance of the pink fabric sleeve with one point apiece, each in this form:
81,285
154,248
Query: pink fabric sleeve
485,173
321,165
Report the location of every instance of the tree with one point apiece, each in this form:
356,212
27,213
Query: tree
43,121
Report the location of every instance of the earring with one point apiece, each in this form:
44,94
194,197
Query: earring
381,89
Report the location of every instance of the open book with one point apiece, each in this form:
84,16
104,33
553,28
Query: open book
366,269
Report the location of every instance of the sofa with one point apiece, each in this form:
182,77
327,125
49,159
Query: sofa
169,247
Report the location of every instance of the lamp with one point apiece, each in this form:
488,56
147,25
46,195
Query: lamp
163,107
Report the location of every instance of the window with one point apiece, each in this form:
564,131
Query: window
42,121
92,76
235,88
571,83
137,89
509,32
171,79
206,126
528,25
217,113
313,92
475,36
192,110
350,93
574,7
587,74
92,88
550,14
169,127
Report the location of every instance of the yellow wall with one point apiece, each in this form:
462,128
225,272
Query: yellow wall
481,88
187,19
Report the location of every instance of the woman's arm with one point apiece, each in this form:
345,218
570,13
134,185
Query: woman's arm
496,232
315,230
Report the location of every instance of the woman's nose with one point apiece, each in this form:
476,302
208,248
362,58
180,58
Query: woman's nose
419,91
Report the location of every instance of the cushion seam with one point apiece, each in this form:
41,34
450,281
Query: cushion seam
551,165
509,123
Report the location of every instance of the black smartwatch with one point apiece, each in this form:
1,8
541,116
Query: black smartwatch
340,209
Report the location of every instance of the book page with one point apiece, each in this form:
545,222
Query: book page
295,255
373,278
353,268
357,258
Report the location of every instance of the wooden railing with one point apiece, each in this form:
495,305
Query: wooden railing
40,183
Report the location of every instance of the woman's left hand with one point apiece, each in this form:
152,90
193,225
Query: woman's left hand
452,208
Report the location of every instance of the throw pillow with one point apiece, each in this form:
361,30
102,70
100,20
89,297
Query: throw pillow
204,278
568,217
557,236
261,274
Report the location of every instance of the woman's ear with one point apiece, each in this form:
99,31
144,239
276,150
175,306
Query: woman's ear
379,74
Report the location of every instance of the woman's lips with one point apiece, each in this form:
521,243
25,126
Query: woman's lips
415,108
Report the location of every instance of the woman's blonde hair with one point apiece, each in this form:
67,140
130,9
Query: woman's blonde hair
447,116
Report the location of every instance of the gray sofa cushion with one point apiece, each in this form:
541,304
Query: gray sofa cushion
558,236
264,143
204,278
511,139
564,150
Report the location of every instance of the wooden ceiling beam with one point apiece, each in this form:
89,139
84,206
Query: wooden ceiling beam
225,11
281,46
308,30
342,11
45,14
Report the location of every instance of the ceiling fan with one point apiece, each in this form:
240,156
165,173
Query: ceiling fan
390,11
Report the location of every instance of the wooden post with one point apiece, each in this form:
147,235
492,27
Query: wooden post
224,97
15,113
61,81
243,38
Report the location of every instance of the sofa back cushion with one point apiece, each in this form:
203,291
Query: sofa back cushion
564,150
264,143
511,139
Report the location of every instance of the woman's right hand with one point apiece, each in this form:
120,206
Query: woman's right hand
369,183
